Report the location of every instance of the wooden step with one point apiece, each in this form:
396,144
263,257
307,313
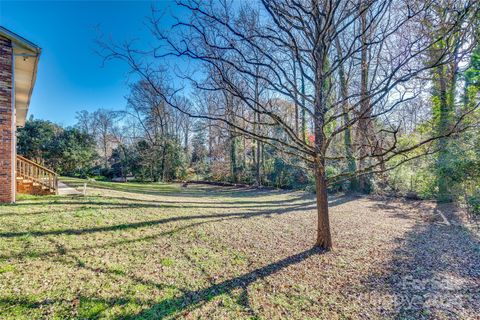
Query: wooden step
33,178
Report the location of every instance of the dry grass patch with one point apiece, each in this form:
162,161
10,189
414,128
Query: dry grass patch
162,251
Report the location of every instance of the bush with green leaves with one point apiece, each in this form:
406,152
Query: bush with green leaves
68,151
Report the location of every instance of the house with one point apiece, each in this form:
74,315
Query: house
18,69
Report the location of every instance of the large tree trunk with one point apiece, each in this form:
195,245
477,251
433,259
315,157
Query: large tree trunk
258,155
442,127
320,52
324,238
257,151
444,86
364,122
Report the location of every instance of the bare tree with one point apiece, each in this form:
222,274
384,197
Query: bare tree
324,37
85,122
103,122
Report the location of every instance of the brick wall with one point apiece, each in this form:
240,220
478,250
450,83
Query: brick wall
7,118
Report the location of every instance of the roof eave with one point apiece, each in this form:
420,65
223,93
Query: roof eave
21,122
27,49
20,41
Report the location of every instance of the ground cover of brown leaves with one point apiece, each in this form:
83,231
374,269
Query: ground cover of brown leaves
152,252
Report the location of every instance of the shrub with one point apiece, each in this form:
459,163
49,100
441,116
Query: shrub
473,204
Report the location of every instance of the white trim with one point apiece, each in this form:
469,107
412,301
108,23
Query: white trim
23,48
15,38
29,86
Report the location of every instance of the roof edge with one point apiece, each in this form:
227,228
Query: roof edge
19,40
32,85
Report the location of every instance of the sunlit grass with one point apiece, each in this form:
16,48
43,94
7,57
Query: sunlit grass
119,255
161,251
149,187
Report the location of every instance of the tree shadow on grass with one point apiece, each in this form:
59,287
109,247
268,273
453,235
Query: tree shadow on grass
193,299
160,204
433,273
113,244
121,206
82,307
193,190
69,259
132,202
125,226
118,202
150,223
255,203
200,220
187,301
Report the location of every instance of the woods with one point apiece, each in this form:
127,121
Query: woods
362,96
378,50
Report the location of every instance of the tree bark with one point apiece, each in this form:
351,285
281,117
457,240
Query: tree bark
365,112
258,172
324,238
442,127
320,52
256,121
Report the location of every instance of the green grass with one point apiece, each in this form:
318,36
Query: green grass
150,188
113,254
160,251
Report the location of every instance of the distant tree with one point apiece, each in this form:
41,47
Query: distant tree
163,129
120,161
85,122
35,138
65,150
104,122
102,125
199,149
72,152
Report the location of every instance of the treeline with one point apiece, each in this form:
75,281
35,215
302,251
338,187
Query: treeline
155,145
68,151
364,96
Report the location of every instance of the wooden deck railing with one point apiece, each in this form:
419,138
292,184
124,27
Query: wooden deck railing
30,170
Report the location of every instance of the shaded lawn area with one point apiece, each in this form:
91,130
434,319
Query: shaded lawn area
152,251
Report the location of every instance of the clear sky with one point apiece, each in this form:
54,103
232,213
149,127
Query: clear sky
70,76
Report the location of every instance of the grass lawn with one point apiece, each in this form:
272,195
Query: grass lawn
152,251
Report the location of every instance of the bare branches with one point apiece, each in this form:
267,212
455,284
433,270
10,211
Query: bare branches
258,57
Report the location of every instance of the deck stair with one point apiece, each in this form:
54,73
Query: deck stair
33,178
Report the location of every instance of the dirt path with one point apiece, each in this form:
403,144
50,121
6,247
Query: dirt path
65,190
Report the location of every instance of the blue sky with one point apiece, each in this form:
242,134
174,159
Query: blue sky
70,76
